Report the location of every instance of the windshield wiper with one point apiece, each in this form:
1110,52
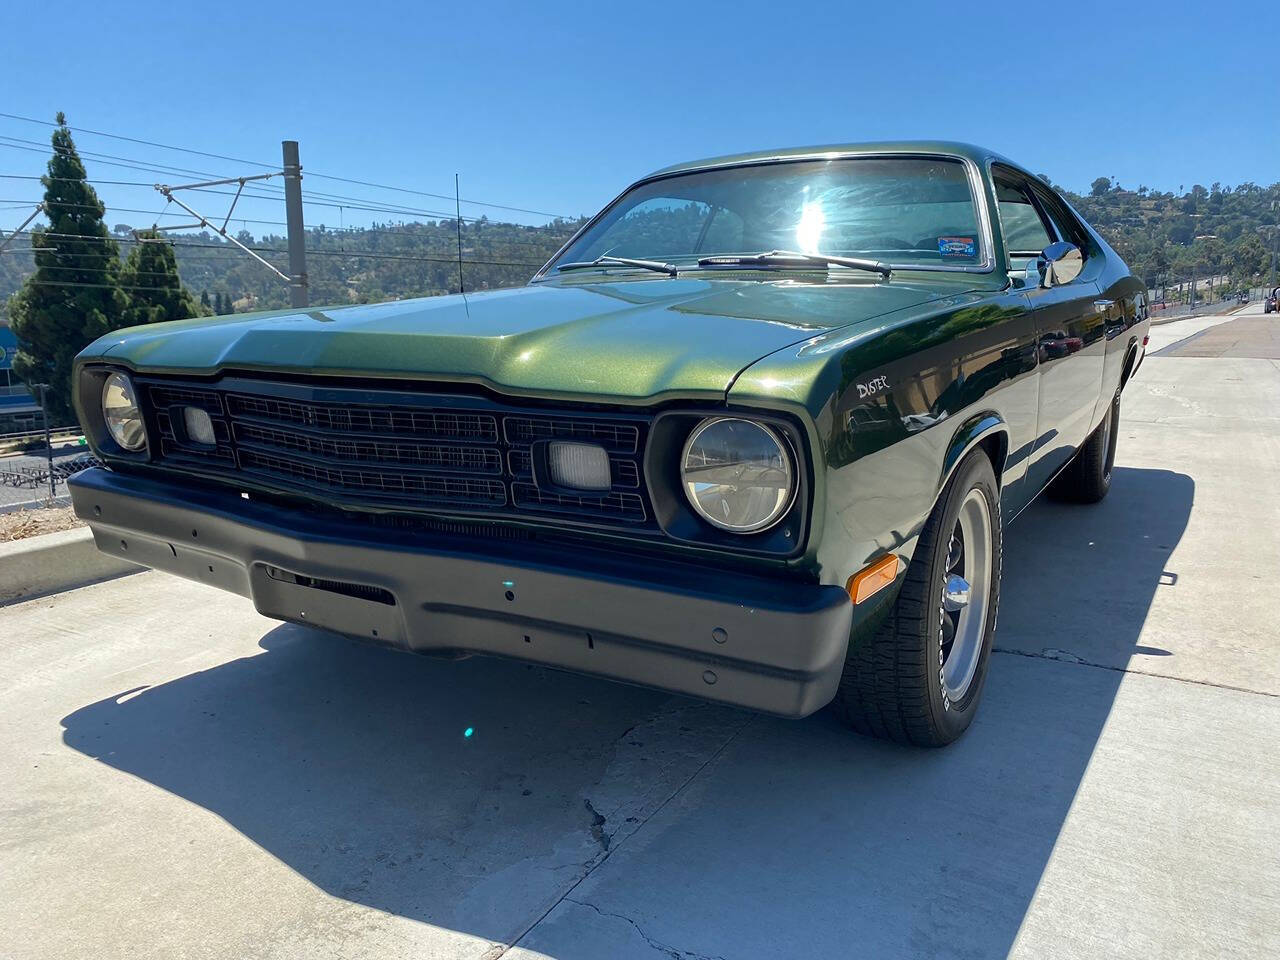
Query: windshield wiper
667,268
785,258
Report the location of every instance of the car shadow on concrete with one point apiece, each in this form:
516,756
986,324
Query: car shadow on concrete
353,765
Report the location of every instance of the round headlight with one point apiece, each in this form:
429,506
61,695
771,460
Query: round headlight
120,410
737,474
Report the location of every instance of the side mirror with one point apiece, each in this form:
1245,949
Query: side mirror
1060,263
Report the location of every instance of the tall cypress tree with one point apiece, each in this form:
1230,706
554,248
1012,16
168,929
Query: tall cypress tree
74,296
150,276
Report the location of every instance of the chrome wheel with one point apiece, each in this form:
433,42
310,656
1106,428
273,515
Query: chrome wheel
966,592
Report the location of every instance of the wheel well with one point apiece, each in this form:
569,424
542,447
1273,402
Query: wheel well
996,447
1129,360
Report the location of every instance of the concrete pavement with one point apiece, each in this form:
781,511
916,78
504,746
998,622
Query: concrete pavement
182,777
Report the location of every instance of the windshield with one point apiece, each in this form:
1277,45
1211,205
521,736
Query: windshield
910,211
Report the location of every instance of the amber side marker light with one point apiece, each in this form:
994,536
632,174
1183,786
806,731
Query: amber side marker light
872,579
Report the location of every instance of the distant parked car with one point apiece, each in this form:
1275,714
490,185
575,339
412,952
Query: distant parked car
1272,302
751,435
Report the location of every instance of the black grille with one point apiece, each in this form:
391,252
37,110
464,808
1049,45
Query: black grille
377,452
340,418
613,437
416,452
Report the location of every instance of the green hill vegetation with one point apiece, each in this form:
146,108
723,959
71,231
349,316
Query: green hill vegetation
1164,237
1169,237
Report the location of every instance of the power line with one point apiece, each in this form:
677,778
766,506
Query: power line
136,273
317,253
160,167
550,238
62,254
271,166
149,143
352,203
89,286
440,196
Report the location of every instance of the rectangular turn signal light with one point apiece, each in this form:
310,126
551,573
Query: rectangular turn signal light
872,579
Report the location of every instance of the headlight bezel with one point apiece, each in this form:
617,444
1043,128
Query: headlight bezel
776,513
682,524
89,386
121,382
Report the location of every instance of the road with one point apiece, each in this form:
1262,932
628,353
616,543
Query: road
183,777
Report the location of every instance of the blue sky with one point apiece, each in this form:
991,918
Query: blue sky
556,107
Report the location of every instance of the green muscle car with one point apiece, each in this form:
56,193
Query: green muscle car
751,435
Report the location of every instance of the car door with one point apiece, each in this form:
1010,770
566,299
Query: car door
1070,327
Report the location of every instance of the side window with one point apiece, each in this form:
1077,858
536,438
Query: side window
1064,224
1026,232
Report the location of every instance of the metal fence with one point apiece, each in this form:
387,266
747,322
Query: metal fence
36,477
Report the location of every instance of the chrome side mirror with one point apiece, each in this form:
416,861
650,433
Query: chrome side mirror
1060,263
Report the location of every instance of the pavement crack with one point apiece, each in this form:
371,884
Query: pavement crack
1063,656
593,865
597,826
673,952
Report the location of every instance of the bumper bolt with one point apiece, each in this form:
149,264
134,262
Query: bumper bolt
719,635
709,677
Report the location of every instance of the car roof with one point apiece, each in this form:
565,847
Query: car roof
979,155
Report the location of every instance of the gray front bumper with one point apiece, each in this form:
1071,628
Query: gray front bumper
772,645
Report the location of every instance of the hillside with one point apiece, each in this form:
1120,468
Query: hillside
1165,237
352,266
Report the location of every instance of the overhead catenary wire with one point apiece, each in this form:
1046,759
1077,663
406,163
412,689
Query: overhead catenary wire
269,166
547,240
318,253
269,192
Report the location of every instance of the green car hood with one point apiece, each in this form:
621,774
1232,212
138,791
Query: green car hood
627,341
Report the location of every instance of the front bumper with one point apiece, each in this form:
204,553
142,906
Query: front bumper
769,644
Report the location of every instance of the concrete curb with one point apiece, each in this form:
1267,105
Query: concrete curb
54,562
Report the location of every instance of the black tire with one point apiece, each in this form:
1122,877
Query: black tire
1087,477
892,684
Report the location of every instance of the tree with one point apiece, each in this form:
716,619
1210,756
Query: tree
74,296
150,276
205,305
1100,186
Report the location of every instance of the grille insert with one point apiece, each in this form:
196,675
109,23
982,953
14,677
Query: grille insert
416,453
438,489
373,452
341,418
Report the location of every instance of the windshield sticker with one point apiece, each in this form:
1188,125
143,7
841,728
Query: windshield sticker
958,247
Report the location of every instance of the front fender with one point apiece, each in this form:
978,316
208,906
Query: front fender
987,428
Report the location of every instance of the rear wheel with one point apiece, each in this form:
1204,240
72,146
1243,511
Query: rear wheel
1088,477
919,679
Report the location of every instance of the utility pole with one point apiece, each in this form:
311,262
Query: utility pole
293,218
48,443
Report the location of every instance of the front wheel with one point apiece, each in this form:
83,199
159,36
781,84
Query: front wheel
919,679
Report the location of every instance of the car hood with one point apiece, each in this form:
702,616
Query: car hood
626,340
